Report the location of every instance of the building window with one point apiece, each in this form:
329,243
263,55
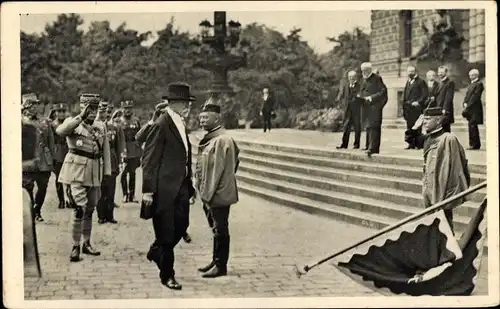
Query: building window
405,22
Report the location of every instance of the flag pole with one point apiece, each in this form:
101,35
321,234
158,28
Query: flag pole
436,207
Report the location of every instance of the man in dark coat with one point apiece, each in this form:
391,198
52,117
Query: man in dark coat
415,97
444,97
167,184
374,93
473,109
267,108
352,110
432,87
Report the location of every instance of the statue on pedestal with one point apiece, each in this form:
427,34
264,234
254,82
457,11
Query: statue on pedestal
443,41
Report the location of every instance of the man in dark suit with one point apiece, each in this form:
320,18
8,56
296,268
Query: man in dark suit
267,108
167,184
444,97
374,93
352,110
473,109
432,87
415,97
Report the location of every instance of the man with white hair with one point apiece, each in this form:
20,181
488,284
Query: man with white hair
374,93
432,86
352,110
473,108
444,97
414,98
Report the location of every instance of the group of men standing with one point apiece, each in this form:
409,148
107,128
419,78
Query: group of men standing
364,100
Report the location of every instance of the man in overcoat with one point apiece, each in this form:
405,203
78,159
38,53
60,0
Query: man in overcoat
83,170
374,93
167,184
132,153
415,96
268,103
32,110
58,115
216,167
444,97
473,109
352,110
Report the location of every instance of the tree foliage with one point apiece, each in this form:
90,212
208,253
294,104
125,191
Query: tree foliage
64,61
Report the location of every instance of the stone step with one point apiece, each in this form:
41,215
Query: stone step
325,209
358,157
402,127
263,165
380,201
345,161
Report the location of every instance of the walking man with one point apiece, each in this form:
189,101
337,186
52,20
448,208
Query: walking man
32,110
415,97
83,170
106,205
167,185
58,115
216,167
445,164
444,97
374,93
132,154
352,111
473,109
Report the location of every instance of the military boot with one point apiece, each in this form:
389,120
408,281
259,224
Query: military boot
88,249
75,254
221,258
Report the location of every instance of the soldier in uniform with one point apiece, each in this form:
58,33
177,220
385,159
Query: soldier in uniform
57,116
132,153
106,205
85,166
31,109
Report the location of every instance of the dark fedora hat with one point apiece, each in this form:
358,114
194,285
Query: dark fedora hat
179,91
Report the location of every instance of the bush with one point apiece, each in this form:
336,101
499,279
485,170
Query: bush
328,120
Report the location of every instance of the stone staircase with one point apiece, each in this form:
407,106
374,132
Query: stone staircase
343,185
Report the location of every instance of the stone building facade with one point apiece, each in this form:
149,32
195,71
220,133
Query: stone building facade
396,35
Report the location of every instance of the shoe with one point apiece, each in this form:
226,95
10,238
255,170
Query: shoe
116,205
75,254
131,198
217,271
61,205
365,149
38,218
171,283
187,238
409,147
207,267
88,249
112,221
341,147
125,198
355,147
102,221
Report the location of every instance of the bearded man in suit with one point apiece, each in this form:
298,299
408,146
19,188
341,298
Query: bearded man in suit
415,97
444,97
352,110
432,87
167,184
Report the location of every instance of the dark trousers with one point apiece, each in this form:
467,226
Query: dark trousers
218,220
59,186
42,180
267,121
373,139
106,205
353,119
474,138
165,243
129,169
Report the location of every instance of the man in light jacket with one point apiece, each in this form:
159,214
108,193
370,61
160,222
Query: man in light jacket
216,167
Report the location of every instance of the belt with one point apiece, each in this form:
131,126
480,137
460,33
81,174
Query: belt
85,154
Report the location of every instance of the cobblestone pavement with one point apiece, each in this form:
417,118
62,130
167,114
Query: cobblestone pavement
267,240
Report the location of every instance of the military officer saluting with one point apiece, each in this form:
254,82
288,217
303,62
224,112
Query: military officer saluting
32,109
132,153
57,116
85,166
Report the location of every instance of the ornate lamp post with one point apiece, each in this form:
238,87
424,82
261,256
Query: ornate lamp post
221,37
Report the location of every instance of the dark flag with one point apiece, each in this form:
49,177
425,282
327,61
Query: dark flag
420,257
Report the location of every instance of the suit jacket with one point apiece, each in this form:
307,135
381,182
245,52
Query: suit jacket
91,139
474,110
164,164
374,87
415,92
431,100
268,105
444,99
348,97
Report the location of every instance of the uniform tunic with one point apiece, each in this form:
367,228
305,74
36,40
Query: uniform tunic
45,162
130,128
116,144
60,145
91,139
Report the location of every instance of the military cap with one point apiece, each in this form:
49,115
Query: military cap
433,111
211,108
59,107
90,98
29,100
127,104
